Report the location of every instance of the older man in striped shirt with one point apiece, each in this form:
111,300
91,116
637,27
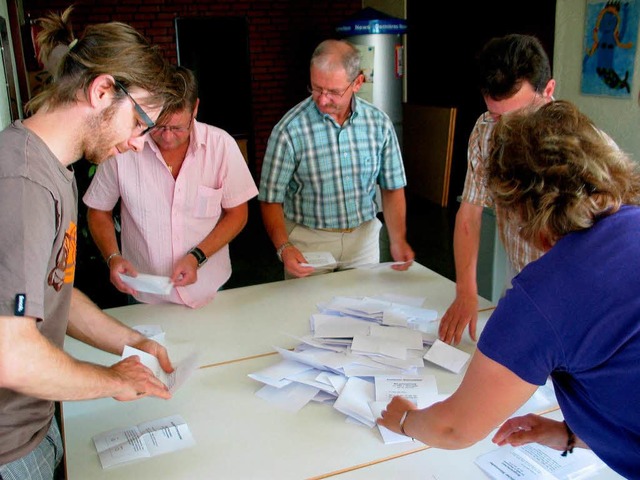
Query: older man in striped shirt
323,162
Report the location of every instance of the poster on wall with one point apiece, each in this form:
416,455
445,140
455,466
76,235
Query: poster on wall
367,56
610,42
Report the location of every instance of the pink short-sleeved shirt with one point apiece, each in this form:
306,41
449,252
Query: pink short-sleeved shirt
163,218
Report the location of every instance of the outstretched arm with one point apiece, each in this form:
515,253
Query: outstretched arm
466,243
52,374
488,394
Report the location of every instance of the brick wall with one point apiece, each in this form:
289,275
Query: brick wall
282,35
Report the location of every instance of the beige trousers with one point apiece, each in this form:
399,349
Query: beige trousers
356,248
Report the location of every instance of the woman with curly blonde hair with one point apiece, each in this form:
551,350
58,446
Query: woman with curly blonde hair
572,315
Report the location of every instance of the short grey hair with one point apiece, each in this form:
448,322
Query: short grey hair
348,57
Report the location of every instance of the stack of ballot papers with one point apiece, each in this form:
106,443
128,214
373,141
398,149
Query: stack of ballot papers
359,354
363,351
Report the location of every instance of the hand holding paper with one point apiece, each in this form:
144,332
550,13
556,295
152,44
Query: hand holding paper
173,380
134,381
319,259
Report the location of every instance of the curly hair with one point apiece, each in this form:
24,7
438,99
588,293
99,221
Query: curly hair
554,172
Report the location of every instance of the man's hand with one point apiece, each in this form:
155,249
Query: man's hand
185,272
154,348
532,428
462,312
402,252
137,381
393,413
292,258
121,265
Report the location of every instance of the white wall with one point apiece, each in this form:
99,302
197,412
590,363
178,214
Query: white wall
618,117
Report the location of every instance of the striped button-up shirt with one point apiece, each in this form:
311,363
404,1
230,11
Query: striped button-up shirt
163,218
324,173
519,251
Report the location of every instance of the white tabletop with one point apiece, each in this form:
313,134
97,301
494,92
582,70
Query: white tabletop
248,321
239,435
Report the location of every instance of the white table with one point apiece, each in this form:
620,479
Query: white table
248,321
238,435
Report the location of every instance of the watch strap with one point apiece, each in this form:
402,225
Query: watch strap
200,256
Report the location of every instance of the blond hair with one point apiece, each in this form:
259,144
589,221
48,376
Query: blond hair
553,172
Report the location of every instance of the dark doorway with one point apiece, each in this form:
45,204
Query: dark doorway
441,45
217,50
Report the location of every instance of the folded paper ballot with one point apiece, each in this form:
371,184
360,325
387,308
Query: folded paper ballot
145,440
534,462
148,283
354,400
447,356
319,259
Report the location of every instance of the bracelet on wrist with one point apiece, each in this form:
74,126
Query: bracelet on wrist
110,257
403,420
281,249
571,440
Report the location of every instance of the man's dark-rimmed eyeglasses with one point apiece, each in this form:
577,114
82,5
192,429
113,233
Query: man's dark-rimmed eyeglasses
145,118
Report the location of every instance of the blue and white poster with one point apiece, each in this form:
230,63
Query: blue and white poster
610,40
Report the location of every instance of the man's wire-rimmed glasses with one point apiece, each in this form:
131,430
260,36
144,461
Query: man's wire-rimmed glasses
145,118
172,129
330,94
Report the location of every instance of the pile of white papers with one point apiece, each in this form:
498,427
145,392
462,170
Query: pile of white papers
359,354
